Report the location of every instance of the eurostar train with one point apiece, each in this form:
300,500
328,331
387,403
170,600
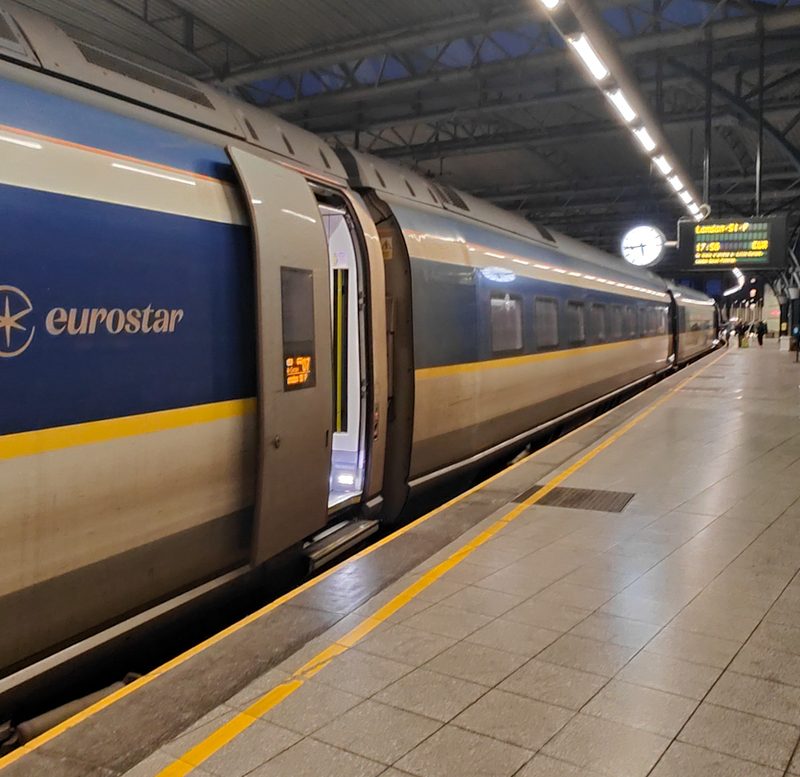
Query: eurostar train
219,337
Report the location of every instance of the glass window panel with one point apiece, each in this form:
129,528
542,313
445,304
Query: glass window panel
546,322
506,323
297,314
576,323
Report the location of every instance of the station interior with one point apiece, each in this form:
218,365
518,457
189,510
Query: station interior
401,389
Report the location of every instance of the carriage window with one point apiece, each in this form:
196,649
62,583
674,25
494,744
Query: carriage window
576,323
630,322
597,322
546,322
506,323
297,315
616,322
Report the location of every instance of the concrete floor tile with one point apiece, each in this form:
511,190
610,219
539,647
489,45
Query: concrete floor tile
758,697
669,674
545,766
447,621
646,708
197,733
454,752
361,673
574,596
377,731
693,647
309,756
514,583
772,665
482,601
253,747
152,766
741,735
438,590
514,637
619,631
310,707
547,615
607,747
717,624
407,645
466,573
431,694
476,663
777,636
553,684
515,719
587,655
638,608
682,760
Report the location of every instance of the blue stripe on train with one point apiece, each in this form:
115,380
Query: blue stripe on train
48,114
66,252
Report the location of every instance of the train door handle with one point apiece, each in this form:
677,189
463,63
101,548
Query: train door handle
277,441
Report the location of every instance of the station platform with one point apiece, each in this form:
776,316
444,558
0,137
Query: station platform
623,602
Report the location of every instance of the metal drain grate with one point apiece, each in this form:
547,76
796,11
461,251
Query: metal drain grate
581,499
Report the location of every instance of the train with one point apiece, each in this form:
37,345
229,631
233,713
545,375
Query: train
222,339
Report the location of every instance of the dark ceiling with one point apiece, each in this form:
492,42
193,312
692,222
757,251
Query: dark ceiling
484,95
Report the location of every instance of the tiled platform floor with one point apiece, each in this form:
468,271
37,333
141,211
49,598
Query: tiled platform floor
663,640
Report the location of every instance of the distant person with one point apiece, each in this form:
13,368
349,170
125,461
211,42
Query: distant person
761,330
741,330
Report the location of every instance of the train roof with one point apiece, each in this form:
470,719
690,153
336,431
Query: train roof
36,41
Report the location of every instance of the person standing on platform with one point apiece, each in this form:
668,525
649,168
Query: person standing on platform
740,332
761,330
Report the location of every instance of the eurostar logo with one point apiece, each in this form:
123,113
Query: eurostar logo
14,336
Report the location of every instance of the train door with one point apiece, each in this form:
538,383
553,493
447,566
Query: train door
348,448
292,280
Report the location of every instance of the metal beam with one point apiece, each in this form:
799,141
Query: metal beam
510,14
743,109
534,138
724,30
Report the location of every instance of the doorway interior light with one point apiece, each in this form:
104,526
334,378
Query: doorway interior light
644,137
620,102
583,48
662,164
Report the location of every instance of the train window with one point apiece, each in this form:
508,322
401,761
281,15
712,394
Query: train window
506,323
297,315
630,322
546,322
597,323
616,323
576,323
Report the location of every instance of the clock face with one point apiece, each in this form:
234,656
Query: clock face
643,246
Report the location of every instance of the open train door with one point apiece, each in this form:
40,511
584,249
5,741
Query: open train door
294,354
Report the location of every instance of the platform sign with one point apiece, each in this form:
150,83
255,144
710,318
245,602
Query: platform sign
755,243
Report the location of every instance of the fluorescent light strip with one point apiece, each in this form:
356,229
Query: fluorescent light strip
583,48
620,102
153,173
662,164
644,137
675,183
686,197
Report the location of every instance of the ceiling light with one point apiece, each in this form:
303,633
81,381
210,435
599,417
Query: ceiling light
662,164
693,207
583,48
643,136
550,4
622,105
686,197
675,183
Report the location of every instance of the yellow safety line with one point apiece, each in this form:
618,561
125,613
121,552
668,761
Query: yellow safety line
512,361
258,709
42,440
56,731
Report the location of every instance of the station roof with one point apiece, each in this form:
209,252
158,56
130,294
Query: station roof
482,94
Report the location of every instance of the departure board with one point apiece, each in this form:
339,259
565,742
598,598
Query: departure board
755,242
